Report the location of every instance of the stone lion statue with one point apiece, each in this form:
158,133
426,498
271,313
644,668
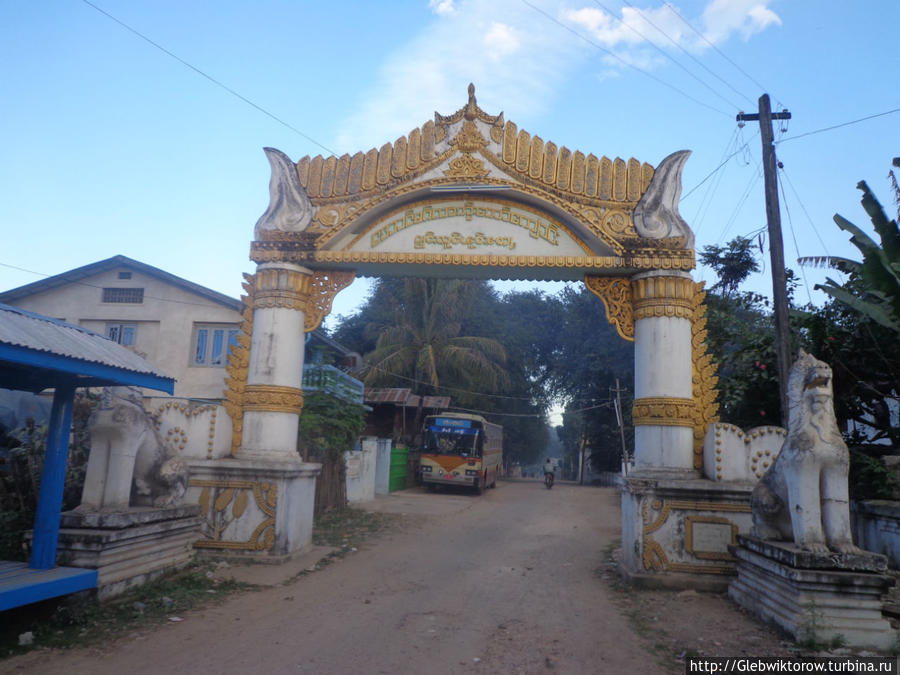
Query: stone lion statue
803,497
130,464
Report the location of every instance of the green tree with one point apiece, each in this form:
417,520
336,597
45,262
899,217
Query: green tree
425,342
732,263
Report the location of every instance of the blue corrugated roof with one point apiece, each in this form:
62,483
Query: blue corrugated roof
33,347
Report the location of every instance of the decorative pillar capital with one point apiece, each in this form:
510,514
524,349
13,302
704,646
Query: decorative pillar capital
657,294
273,398
290,286
664,411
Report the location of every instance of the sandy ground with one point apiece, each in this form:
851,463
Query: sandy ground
515,581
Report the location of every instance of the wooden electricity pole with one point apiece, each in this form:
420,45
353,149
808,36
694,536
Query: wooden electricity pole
618,407
776,244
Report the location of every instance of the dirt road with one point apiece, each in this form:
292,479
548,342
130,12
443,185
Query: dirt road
503,583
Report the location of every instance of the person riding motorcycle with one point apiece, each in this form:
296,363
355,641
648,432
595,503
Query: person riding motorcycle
549,470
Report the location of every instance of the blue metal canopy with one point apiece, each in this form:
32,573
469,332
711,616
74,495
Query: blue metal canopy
38,353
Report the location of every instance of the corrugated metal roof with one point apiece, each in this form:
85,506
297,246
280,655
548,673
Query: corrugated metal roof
396,396
406,398
42,334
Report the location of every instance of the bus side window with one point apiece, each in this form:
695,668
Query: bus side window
479,446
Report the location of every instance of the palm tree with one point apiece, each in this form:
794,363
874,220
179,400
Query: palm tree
423,342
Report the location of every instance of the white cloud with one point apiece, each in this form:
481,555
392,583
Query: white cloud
512,54
722,18
501,41
518,59
442,7
661,27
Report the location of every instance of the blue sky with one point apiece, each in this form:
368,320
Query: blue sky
110,146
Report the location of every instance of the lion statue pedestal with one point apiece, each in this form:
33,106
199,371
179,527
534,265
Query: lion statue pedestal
800,568
132,524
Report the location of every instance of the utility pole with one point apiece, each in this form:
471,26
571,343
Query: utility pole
618,404
776,244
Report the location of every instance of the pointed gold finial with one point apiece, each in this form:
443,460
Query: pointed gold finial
471,106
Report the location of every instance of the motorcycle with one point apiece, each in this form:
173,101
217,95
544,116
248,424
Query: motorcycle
548,480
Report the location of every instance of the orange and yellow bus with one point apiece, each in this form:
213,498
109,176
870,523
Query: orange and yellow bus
461,449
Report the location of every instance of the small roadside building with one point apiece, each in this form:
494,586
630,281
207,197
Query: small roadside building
38,353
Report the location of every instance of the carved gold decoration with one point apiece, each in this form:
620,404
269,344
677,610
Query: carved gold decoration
654,558
324,285
238,365
215,499
655,514
663,411
281,288
704,376
583,179
261,253
312,294
466,166
272,398
660,296
469,139
615,292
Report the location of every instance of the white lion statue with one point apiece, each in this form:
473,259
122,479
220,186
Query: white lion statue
803,497
129,465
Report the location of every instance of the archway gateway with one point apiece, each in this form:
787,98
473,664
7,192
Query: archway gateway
471,196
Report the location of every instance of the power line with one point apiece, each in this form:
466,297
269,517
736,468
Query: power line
707,200
838,126
688,54
208,77
803,207
794,237
538,415
710,174
620,59
660,50
718,51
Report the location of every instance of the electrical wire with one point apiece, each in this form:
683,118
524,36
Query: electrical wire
787,210
446,388
718,51
740,204
710,174
688,54
838,126
660,50
208,77
621,60
490,413
803,207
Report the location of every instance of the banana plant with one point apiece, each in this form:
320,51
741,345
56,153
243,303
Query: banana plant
874,285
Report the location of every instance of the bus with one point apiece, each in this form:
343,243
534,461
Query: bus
460,449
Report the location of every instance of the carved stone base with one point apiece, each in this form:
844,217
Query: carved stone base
258,510
128,548
816,597
676,529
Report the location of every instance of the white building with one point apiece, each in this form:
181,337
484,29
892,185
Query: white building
180,327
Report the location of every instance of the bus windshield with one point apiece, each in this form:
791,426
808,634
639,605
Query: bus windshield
451,441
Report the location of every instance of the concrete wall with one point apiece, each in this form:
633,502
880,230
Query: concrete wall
361,472
876,528
165,322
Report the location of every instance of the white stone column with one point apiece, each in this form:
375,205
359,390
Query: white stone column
273,397
663,389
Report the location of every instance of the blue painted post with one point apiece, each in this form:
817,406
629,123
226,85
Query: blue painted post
53,478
